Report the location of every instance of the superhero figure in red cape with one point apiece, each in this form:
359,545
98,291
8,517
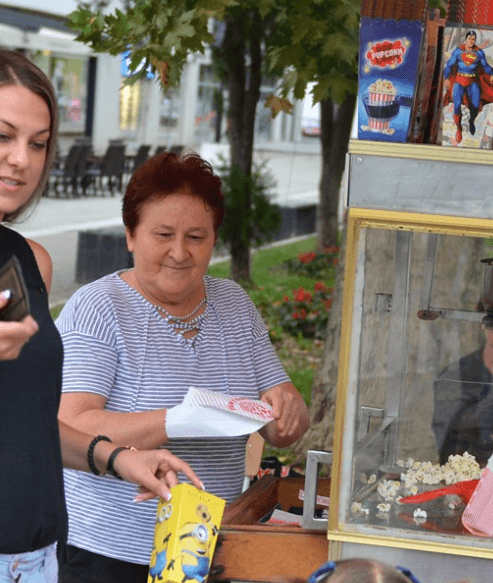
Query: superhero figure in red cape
468,80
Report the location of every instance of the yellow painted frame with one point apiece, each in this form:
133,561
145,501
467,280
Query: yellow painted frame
359,219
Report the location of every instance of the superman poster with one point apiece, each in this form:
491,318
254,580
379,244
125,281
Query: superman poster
467,103
388,67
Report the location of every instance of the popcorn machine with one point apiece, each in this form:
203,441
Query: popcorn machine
414,414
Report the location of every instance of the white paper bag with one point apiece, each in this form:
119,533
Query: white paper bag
211,414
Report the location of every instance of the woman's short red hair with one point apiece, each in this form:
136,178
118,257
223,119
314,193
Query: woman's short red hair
166,174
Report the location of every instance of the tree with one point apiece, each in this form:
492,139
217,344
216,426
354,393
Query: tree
246,28
317,42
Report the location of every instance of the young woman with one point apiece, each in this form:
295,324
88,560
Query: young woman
32,506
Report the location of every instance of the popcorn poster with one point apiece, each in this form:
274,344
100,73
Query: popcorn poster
388,68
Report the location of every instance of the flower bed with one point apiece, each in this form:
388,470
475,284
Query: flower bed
314,264
306,312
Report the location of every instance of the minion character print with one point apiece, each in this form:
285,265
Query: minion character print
185,536
195,542
158,562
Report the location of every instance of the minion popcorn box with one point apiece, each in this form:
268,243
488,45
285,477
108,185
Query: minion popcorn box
185,535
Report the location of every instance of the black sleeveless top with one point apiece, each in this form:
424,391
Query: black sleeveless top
32,505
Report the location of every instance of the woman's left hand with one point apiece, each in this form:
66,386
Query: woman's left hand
290,412
156,471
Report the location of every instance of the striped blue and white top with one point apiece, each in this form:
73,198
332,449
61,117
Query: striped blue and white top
117,345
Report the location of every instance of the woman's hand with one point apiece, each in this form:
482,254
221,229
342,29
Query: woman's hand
290,412
156,471
13,335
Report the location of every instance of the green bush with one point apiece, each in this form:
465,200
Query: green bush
258,223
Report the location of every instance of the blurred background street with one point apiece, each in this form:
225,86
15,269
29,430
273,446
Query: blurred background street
56,222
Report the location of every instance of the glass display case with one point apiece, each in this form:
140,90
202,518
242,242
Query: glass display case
414,414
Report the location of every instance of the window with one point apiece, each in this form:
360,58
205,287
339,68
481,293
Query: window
69,78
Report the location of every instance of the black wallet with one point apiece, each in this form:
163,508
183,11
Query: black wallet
11,278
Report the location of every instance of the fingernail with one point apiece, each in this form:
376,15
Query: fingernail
169,496
5,294
202,487
138,498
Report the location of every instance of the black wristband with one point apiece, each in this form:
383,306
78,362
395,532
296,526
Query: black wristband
111,460
90,453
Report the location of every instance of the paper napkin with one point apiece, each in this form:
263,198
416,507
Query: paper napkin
206,413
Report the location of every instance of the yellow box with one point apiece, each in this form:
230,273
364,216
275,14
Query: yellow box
185,535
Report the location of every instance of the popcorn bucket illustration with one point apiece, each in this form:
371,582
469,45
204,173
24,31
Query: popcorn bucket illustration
382,108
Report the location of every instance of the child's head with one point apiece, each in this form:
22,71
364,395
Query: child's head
361,571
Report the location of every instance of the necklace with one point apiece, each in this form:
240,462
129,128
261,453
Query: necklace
180,323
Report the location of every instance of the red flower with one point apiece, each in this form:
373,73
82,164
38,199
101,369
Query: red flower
296,316
333,249
307,257
300,295
286,298
320,286
327,304
336,261
303,313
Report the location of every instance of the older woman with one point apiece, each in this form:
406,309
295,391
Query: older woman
32,508
136,340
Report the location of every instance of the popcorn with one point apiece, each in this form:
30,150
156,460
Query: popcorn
356,507
457,469
383,86
388,489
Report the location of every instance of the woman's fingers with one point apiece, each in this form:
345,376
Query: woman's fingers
156,472
289,409
14,335
178,465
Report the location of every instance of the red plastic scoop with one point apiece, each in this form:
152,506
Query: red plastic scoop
462,489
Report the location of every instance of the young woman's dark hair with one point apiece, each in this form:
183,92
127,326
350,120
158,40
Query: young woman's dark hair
166,174
16,69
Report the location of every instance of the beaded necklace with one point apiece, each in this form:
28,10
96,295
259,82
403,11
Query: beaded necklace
179,323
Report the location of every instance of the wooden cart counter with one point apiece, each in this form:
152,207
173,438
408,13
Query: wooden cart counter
249,551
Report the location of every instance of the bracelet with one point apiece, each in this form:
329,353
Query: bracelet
90,453
111,460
